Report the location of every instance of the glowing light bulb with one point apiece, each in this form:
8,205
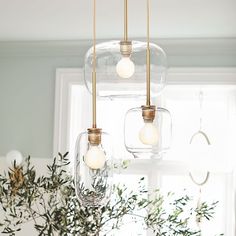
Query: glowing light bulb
95,158
125,68
12,157
149,134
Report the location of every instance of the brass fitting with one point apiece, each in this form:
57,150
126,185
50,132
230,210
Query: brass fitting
148,113
125,48
94,136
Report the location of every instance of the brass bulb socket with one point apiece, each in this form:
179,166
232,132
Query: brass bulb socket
125,48
148,113
94,136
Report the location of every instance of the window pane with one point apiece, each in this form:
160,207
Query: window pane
218,122
214,190
217,114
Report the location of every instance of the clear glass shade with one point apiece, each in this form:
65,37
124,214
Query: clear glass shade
147,139
110,62
93,170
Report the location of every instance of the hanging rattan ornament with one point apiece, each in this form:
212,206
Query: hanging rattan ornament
199,201
200,132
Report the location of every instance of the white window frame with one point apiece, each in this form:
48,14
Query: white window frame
66,78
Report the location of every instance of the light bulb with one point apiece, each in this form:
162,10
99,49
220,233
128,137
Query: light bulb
125,68
149,134
12,157
95,158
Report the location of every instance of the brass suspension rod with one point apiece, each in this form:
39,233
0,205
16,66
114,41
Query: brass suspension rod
148,63
94,89
125,20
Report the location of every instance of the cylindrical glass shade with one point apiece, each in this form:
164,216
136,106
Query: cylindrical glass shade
147,140
93,175
110,84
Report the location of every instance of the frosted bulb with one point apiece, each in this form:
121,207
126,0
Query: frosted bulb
14,156
125,68
95,158
149,134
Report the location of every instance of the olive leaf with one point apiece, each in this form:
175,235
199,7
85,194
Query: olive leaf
51,204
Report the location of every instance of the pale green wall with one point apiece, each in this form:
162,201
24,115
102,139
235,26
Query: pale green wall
27,83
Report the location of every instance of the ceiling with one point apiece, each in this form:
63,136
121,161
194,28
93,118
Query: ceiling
72,19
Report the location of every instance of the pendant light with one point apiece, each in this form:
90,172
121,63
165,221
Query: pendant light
93,170
125,67
119,60
147,128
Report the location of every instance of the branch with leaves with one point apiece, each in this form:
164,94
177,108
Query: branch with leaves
51,204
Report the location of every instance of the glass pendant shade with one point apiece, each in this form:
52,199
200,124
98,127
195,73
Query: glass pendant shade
93,170
147,139
114,70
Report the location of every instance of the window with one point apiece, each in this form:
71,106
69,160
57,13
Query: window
171,173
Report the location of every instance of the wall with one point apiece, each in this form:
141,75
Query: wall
27,83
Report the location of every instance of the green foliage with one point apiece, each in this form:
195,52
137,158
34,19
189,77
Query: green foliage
51,203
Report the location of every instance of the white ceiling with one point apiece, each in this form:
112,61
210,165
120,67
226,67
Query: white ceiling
71,19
